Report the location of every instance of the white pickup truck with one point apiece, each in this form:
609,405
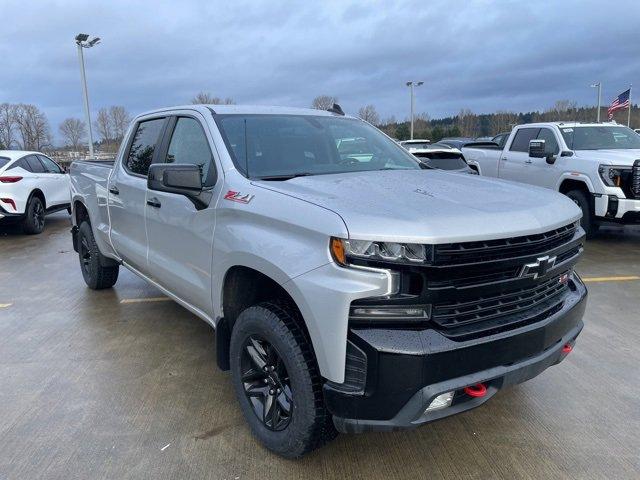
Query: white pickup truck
596,165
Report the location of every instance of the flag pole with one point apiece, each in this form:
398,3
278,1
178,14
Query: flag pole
629,109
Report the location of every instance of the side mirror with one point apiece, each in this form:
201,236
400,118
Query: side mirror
180,178
538,149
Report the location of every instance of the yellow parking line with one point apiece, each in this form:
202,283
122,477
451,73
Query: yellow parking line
5,305
148,299
611,279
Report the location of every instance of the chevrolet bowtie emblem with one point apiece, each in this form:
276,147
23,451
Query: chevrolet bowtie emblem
539,268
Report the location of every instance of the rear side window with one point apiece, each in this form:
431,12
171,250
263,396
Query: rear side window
50,165
35,164
521,141
22,163
143,145
189,144
4,161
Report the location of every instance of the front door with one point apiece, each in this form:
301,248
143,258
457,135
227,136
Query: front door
181,230
127,191
514,160
545,174
57,183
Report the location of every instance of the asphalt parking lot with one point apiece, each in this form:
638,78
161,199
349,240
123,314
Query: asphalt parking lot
122,383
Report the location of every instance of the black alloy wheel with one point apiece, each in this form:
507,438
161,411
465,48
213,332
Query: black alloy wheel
38,215
266,383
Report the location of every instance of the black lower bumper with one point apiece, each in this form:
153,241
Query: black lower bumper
407,369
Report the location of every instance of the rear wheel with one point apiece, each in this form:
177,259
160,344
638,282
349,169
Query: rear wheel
95,274
581,199
33,222
276,380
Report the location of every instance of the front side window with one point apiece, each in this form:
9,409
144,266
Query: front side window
282,146
189,144
521,141
50,165
550,142
143,145
600,138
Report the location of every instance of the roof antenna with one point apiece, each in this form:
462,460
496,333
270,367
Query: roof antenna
336,109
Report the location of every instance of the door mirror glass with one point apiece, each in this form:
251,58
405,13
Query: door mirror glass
537,149
180,178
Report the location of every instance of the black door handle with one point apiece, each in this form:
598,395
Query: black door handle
154,202
114,190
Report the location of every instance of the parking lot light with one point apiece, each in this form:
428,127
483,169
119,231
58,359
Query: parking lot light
599,85
411,85
82,41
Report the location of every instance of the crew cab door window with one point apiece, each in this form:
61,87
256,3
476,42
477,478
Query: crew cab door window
550,142
189,144
520,142
143,145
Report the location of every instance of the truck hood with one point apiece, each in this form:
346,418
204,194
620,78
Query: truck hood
431,206
609,157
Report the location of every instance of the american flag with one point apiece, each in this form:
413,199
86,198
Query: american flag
620,102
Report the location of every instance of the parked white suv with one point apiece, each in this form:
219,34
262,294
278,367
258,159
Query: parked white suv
31,186
597,165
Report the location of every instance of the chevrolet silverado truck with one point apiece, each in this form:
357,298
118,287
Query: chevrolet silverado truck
596,165
348,291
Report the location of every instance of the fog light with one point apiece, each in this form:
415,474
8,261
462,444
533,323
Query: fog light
441,401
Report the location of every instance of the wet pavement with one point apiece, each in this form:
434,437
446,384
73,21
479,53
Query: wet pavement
123,383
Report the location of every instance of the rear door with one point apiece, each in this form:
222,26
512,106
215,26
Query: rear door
181,231
128,189
514,161
58,183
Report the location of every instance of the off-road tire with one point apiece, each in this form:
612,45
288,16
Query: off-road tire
95,274
310,424
33,221
582,201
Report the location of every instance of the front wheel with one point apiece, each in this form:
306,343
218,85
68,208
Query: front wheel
581,199
95,274
276,381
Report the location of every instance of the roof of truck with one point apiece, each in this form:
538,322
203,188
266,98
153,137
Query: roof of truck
572,124
246,110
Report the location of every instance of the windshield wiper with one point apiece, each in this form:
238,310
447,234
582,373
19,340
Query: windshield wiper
285,177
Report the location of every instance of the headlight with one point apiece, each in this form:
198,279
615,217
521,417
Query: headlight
612,175
407,253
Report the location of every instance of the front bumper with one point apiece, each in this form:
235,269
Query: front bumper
619,210
406,370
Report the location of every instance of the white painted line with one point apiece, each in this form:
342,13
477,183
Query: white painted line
611,279
5,305
165,447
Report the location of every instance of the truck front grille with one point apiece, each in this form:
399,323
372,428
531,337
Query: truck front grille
510,305
484,251
635,179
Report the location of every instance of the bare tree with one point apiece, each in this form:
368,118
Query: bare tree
8,125
369,114
205,98
468,123
560,109
33,127
73,130
502,121
103,126
323,102
120,119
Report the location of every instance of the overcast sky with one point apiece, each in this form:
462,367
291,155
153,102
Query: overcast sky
482,55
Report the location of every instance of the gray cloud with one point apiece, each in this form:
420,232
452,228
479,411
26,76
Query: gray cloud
487,56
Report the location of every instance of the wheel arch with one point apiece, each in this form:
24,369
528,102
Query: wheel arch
36,192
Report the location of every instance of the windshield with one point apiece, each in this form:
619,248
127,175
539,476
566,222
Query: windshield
284,146
600,138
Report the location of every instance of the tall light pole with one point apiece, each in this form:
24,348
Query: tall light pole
411,85
599,85
82,41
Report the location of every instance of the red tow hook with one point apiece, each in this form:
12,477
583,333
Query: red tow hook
567,348
478,390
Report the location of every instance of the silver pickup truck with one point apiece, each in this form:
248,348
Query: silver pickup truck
350,291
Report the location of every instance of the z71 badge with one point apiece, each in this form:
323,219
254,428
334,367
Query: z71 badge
238,197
